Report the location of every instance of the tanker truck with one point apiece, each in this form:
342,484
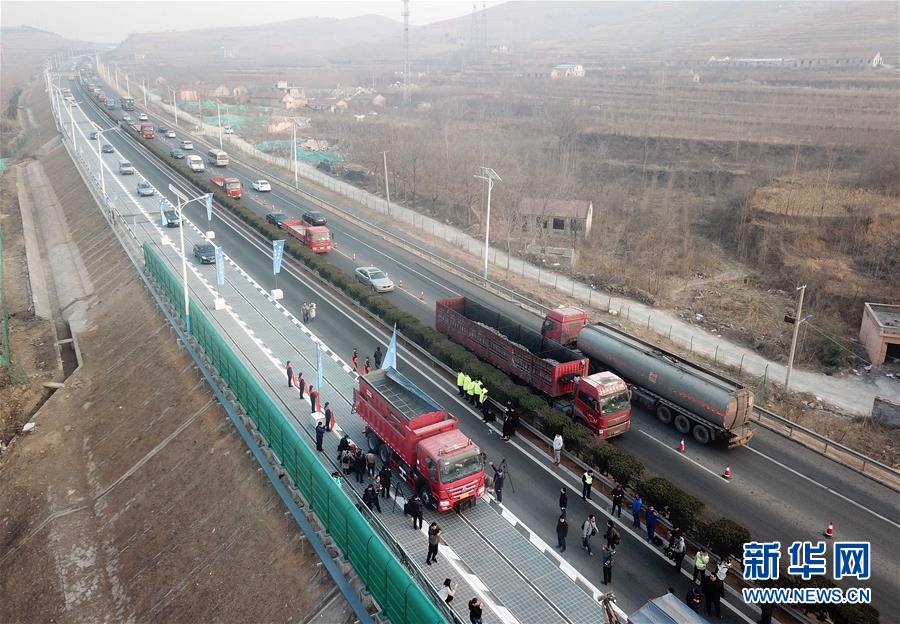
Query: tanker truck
696,400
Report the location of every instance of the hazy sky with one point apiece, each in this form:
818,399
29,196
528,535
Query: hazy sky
111,22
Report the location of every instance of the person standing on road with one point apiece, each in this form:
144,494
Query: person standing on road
475,612
460,382
305,309
354,357
367,367
694,598
563,500
329,417
301,384
343,445
713,590
415,510
612,534
636,505
514,423
499,475
587,480
701,560
312,311
562,530
320,436
313,399
290,374
676,543
370,464
384,478
447,591
588,530
618,495
609,553
557,448
377,356
359,465
651,517
370,498
434,538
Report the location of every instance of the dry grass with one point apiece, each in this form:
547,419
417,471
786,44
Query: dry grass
813,194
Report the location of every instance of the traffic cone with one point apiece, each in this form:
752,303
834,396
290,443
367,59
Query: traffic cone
829,531
400,283
681,446
727,473
421,295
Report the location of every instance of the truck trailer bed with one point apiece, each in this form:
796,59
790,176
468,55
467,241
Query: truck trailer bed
400,392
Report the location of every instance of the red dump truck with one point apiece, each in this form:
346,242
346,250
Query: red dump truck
231,186
696,400
316,237
147,130
601,401
414,434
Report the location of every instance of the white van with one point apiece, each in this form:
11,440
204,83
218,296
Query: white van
195,163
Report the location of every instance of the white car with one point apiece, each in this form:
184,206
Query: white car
143,117
126,117
170,134
261,186
228,129
187,145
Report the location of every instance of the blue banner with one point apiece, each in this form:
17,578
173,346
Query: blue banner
220,266
209,197
278,248
162,214
319,367
390,358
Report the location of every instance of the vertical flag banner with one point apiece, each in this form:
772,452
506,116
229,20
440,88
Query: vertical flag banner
390,358
278,248
209,197
220,266
162,214
319,367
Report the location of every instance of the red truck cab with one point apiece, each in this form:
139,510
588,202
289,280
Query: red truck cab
563,325
231,186
420,439
603,403
147,130
316,237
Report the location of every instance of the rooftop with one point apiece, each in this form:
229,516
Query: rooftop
886,315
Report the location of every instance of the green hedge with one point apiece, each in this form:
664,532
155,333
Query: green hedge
837,613
683,508
724,537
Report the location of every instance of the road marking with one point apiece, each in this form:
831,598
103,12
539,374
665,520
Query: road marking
824,487
683,456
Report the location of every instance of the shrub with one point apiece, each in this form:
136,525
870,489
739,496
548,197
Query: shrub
683,508
725,537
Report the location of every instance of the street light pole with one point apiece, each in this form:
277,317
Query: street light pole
294,149
797,320
144,89
182,202
219,113
490,176
387,187
117,78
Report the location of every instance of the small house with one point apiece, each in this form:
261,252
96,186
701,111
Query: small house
567,70
548,219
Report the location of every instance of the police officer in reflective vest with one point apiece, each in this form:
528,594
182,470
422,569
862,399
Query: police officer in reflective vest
460,382
587,479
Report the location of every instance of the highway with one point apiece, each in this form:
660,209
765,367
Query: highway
780,489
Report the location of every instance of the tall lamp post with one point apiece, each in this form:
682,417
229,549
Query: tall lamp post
387,186
797,321
219,114
100,156
490,176
184,200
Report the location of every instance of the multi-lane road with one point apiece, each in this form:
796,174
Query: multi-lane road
780,490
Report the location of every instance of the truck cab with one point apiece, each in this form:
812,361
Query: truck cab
231,186
563,325
603,403
447,462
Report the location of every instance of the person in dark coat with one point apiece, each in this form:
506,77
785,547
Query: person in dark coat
359,465
434,538
677,545
343,445
377,356
651,516
290,374
475,611
562,530
354,357
563,500
499,475
415,510
618,495
609,554
320,436
329,417
694,598
367,367
767,610
370,498
514,422
713,590
612,534
301,384
384,478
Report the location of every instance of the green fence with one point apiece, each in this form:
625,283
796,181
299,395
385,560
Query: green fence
402,600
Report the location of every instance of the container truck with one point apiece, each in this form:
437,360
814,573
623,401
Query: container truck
147,130
231,186
709,406
415,435
601,401
316,237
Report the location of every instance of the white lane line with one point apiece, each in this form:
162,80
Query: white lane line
683,456
824,487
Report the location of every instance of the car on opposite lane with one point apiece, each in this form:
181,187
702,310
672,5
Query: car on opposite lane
145,190
187,145
170,134
205,252
176,153
107,148
261,186
375,278
143,117
275,218
92,136
314,217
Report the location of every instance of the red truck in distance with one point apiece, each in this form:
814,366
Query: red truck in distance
601,401
147,130
415,435
316,237
231,186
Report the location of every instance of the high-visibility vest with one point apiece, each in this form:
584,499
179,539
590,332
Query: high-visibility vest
588,478
483,397
460,379
473,388
467,383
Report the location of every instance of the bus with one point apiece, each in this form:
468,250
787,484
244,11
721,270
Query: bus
128,103
217,157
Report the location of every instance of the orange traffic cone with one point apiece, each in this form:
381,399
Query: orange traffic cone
727,473
829,532
400,283
421,295
681,446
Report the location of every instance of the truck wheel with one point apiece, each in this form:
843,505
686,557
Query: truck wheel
701,434
664,414
427,499
384,452
682,424
373,442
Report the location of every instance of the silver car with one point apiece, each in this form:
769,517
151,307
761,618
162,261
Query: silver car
144,189
375,278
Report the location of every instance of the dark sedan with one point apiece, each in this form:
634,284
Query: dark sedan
177,154
275,218
205,252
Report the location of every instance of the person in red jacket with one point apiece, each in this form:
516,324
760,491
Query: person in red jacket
313,399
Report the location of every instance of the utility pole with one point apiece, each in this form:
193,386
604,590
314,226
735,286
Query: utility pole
144,89
407,96
797,320
490,176
387,186
219,114
294,150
